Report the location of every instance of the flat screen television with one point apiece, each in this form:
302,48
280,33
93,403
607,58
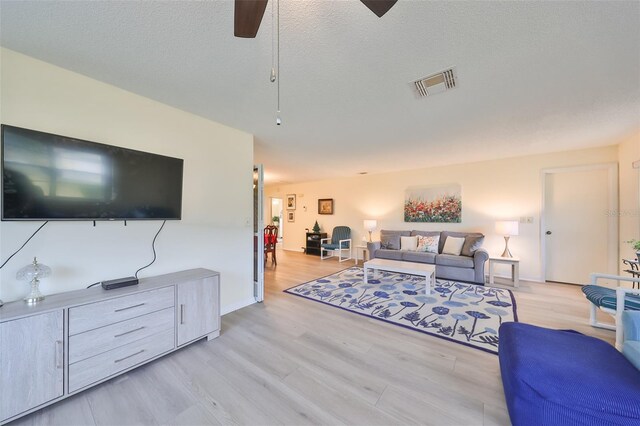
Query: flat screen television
52,177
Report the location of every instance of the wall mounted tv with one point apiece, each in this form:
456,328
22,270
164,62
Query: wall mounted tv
51,177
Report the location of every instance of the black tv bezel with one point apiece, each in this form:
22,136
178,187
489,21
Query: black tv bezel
84,219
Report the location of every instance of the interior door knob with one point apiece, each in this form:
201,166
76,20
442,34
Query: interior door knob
548,232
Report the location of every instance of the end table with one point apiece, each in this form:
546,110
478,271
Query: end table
515,268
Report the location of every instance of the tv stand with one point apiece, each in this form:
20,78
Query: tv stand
75,340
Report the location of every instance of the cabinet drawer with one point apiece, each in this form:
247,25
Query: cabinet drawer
94,342
99,314
94,369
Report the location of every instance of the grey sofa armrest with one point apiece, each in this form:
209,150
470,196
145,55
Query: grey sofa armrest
480,257
372,247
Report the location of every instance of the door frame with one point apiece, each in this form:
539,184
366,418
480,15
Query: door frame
258,233
613,227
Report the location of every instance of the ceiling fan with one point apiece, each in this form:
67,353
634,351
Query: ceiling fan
248,14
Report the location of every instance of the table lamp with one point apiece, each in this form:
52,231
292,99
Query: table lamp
33,272
370,225
507,228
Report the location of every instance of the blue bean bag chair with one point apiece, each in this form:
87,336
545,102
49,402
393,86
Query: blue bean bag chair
562,377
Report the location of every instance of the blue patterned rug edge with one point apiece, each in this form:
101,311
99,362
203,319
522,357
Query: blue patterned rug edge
287,290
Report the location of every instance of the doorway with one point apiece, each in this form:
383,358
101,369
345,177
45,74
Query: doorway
579,225
276,215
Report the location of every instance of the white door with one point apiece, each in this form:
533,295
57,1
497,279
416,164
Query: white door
258,233
580,236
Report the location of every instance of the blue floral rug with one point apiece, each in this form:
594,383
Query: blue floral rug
468,314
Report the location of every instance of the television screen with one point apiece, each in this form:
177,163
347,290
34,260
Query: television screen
51,177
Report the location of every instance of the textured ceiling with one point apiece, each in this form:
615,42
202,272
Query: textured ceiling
533,76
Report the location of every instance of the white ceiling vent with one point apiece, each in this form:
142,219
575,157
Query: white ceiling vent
436,83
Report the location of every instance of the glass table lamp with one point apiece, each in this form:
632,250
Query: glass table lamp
34,272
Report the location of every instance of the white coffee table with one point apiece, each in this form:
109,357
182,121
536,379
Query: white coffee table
411,268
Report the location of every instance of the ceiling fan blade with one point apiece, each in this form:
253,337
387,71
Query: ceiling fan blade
247,17
379,7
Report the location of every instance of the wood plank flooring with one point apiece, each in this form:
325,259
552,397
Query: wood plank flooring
297,362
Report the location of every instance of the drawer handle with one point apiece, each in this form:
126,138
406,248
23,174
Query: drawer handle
59,355
127,357
182,314
129,307
129,332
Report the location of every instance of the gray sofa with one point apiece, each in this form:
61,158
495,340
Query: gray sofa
468,268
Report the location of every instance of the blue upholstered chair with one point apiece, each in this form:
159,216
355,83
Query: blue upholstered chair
340,242
609,300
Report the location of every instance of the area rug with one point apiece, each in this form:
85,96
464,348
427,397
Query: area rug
464,313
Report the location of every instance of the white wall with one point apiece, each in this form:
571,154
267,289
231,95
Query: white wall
628,152
491,190
215,231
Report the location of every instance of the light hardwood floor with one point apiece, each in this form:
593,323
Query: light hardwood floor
294,361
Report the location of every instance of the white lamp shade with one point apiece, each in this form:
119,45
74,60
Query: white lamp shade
507,227
370,224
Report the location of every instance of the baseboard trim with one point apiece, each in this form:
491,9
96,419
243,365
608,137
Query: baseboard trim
508,277
238,305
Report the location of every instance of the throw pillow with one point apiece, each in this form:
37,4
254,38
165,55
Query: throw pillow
471,244
453,245
390,241
408,243
428,244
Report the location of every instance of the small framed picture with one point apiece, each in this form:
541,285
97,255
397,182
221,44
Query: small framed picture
291,202
291,216
325,206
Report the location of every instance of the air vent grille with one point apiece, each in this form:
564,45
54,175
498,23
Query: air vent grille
436,83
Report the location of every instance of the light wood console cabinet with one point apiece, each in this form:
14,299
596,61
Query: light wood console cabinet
75,340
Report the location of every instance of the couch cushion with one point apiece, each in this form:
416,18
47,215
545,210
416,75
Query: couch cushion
389,254
426,233
631,350
419,257
408,243
606,297
564,377
457,261
390,241
471,244
453,245
445,234
428,244
399,233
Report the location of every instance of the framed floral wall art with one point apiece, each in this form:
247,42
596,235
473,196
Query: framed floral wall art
434,204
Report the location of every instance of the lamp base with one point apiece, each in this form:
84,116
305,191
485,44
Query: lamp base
370,236
506,252
31,300
34,296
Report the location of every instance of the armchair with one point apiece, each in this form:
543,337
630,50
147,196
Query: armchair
631,343
611,301
340,241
